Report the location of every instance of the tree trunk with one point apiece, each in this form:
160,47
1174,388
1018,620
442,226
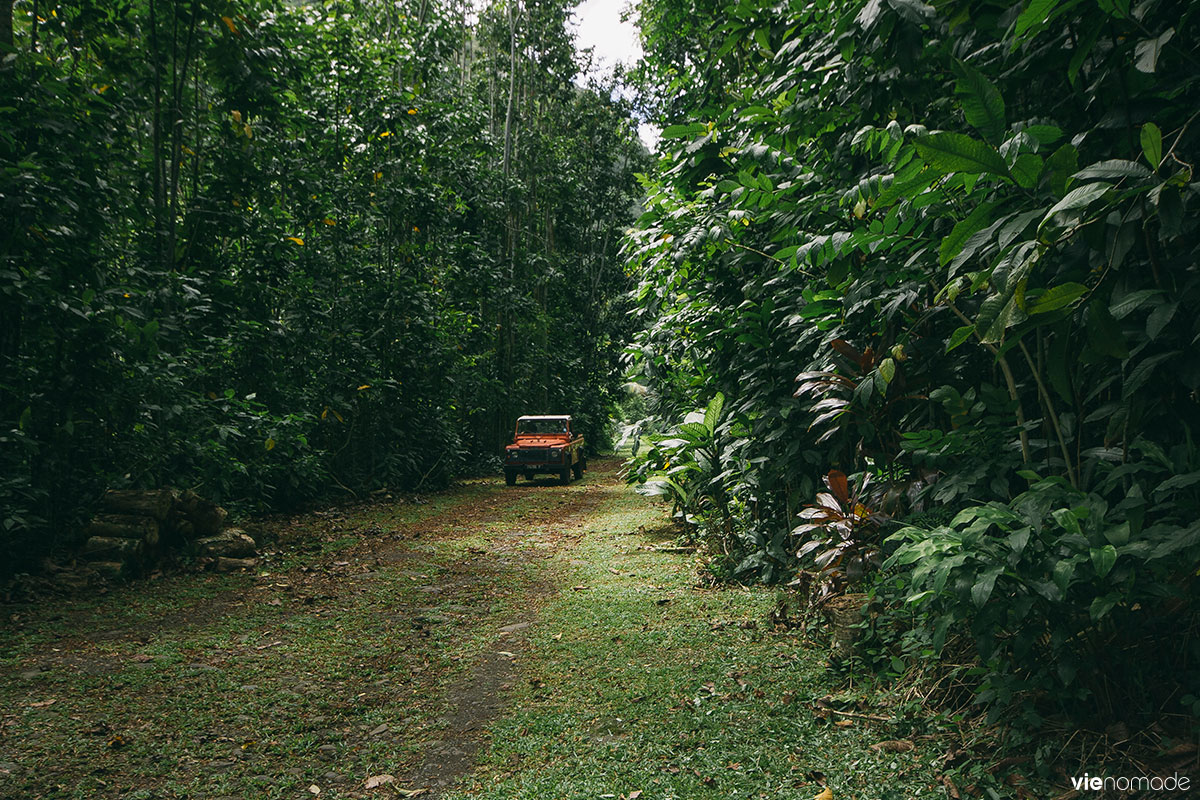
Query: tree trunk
6,26
512,86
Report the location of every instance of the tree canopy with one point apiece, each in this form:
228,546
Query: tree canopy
281,251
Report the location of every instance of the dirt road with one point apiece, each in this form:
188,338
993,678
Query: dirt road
492,643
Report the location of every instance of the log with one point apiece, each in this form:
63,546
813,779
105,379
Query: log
206,517
124,526
154,503
230,564
107,548
109,569
233,542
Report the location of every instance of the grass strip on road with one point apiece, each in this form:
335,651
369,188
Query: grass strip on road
638,680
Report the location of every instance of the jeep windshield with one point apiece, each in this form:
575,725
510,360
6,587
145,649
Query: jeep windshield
541,427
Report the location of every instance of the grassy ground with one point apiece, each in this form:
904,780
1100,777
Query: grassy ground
534,642
636,680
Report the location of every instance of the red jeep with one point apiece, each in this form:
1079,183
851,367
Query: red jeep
544,444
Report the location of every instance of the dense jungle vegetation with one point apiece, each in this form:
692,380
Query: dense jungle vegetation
279,252
918,297
910,309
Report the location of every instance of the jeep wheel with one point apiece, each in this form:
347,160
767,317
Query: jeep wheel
564,475
578,470
510,477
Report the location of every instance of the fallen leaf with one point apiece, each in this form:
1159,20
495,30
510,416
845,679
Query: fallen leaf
43,703
314,789
844,723
580,588
117,741
826,794
376,781
893,746
635,794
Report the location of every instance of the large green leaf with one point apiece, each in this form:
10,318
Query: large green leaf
1035,13
1113,168
1103,559
1151,140
1027,170
1055,298
1079,197
1059,168
977,220
955,152
684,131
1147,52
981,102
712,413
995,316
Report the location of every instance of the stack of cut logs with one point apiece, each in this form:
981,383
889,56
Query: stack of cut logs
138,525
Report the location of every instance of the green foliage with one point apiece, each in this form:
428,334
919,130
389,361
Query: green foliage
969,229
280,252
1060,593
683,465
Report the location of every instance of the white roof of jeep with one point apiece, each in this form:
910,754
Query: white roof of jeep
544,416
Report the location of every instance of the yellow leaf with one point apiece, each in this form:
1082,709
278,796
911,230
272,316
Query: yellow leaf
385,134
269,444
247,131
295,239
329,221
364,386
229,24
416,229
104,88
339,416
237,115
826,794
378,175
412,111
325,413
